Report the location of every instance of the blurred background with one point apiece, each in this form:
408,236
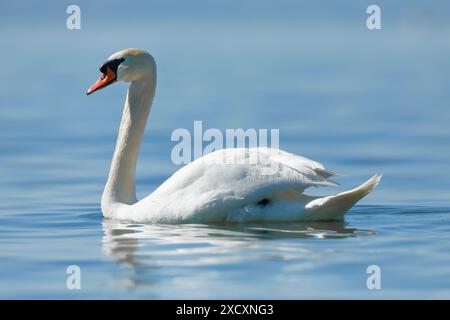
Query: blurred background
360,101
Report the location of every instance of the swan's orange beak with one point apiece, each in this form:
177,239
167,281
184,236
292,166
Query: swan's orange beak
104,80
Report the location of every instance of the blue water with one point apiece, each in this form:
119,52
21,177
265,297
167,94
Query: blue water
359,101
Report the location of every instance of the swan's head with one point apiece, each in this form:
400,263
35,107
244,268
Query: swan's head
127,65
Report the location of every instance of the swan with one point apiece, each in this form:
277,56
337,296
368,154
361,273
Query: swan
222,186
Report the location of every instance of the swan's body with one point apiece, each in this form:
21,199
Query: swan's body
257,184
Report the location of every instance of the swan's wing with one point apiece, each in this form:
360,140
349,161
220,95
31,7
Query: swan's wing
313,169
231,178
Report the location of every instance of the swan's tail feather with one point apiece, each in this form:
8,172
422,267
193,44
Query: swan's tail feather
334,207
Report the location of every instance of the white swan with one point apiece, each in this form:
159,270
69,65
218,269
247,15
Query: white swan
255,184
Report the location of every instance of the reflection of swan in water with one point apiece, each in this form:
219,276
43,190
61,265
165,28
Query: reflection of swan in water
236,184
147,248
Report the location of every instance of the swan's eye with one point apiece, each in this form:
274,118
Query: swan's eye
103,76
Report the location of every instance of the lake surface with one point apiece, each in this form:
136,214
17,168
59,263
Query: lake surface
359,101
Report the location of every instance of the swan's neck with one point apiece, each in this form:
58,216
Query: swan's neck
121,185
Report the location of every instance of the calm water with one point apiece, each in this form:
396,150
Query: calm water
359,101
